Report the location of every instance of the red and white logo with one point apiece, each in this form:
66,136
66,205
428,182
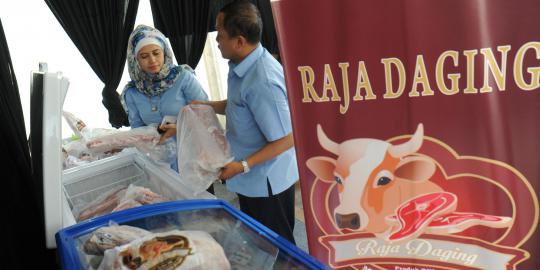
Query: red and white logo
413,201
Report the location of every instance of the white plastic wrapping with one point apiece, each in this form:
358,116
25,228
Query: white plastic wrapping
141,137
182,250
76,154
111,236
202,147
101,142
76,124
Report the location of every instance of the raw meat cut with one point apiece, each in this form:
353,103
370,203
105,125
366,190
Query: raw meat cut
103,204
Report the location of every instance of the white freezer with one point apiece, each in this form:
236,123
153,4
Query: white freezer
64,189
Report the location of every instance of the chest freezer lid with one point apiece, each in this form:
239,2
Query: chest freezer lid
70,238
47,94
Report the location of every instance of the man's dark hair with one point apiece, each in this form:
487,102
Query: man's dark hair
242,18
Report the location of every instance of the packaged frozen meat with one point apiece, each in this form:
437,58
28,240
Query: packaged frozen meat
202,147
119,198
112,236
181,250
103,204
104,140
142,137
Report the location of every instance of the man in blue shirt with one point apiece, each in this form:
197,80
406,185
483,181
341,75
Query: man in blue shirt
259,126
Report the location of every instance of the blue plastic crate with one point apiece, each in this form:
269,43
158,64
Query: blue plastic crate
247,243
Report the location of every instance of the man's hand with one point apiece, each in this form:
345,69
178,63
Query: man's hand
231,169
169,131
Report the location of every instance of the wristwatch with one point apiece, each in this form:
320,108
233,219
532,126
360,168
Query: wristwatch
245,165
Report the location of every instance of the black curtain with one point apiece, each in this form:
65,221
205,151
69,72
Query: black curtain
269,38
185,23
215,6
100,29
22,226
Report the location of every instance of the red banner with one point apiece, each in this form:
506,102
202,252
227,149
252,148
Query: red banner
417,127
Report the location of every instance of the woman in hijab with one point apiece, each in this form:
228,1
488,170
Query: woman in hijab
158,88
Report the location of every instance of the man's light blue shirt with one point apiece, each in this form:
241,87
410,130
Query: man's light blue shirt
258,113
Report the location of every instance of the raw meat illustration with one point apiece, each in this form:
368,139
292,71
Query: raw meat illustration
416,214
434,213
459,221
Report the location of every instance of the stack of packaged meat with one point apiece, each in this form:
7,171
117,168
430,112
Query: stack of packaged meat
117,199
202,147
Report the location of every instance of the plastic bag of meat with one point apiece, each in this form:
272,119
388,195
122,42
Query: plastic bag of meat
182,250
141,137
103,204
126,205
82,130
102,140
77,149
202,147
112,236
143,195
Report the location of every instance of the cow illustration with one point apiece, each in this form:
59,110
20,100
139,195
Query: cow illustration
374,177
378,181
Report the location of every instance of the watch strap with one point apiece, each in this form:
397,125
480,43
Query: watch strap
245,165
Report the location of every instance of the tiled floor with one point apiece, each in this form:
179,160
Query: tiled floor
299,226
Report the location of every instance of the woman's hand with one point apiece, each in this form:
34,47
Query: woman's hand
169,131
231,169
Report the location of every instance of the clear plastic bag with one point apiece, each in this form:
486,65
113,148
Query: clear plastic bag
165,152
102,141
141,137
111,236
116,199
202,147
77,149
76,153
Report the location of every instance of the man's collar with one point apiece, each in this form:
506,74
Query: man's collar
241,68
